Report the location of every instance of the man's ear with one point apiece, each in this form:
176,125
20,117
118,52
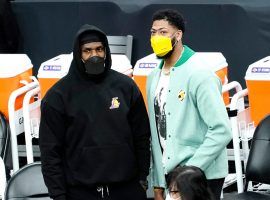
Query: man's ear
179,35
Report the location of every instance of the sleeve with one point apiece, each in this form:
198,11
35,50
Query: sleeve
213,112
139,122
52,131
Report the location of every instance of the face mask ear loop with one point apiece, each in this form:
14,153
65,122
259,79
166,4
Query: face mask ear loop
105,56
176,41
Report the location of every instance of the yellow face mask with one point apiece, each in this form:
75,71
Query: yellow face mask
161,45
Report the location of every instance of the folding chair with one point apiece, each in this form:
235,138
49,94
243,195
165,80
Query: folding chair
2,178
27,184
4,136
121,45
258,163
4,144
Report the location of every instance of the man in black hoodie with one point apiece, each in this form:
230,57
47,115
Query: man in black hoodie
94,130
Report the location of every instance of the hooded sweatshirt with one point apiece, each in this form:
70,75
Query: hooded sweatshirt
94,128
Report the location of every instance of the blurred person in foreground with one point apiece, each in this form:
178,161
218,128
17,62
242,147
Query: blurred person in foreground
188,183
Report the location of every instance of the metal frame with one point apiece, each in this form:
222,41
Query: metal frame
237,154
29,129
13,119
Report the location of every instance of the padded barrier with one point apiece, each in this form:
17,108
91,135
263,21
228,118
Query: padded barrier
241,33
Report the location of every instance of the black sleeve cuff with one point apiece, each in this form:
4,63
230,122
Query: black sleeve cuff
144,184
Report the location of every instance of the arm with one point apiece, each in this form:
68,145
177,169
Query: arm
52,130
139,123
158,193
213,113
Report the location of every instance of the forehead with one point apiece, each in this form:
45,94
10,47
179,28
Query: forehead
92,45
162,24
173,186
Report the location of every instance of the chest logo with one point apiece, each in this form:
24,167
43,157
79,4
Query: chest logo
115,103
181,95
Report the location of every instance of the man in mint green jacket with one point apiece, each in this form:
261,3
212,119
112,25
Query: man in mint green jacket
189,122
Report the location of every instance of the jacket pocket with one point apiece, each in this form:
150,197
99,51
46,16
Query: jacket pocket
105,164
184,152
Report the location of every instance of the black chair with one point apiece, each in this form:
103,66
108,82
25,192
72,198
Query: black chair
27,184
258,164
4,137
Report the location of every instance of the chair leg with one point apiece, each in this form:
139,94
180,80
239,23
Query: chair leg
246,185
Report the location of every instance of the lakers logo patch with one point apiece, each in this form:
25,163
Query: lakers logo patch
115,103
181,95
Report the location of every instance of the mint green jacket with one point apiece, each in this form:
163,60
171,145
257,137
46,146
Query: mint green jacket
197,123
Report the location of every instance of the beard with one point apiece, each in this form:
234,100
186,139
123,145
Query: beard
170,52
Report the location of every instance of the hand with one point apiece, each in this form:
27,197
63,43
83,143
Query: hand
159,194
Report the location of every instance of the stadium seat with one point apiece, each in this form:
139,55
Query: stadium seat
258,163
27,183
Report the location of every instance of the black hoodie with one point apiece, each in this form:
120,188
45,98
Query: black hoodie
94,129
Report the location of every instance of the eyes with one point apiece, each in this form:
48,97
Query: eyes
174,193
98,50
158,32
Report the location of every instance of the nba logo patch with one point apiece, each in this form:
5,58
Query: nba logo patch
181,95
115,103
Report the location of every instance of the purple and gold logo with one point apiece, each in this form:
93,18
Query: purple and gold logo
115,103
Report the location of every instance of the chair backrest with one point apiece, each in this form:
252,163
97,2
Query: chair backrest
27,183
4,136
121,45
258,165
3,179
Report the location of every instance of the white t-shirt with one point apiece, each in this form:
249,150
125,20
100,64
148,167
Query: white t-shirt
160,105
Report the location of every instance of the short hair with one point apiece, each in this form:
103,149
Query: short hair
191,183
174,17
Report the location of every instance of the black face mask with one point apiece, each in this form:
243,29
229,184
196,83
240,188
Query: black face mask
94,65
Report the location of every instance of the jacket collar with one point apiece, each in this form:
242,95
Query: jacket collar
188,52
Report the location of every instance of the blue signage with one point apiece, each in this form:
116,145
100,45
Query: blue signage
260,70
147,65
52,67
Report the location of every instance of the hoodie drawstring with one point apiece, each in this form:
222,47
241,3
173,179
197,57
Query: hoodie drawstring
101,189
